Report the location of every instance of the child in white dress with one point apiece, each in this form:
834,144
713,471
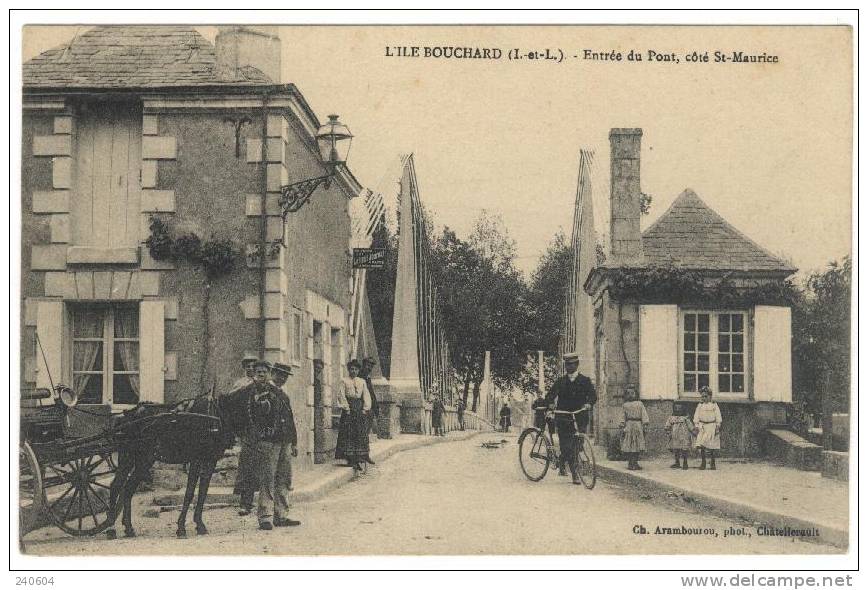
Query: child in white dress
707,421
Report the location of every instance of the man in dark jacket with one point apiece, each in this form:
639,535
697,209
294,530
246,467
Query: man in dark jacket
277,443
505,417
570,392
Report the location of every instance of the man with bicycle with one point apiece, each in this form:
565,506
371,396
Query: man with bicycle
570,392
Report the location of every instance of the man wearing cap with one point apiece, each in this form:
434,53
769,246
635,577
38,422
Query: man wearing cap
247,364
277,443
245,480
570,392
368,365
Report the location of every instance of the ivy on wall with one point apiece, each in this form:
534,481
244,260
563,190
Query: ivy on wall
670,284
215,256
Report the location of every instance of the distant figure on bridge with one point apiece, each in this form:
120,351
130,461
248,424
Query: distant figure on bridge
437,410
505,417
569,393
460,407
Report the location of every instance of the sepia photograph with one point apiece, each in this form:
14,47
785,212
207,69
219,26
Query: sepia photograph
473,290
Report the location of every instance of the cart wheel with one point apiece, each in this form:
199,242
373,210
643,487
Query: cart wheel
30,498
77,493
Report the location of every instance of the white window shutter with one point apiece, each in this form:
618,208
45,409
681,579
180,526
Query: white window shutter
151,351
658,352
772,341
49,328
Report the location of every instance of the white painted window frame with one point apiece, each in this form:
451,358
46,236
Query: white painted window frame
713,352
108,339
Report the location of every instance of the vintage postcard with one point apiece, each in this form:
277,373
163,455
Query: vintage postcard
458,290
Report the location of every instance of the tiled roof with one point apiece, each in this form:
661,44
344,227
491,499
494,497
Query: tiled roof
132,57
691,235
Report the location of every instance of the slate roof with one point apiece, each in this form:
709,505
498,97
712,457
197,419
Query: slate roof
115,57
691,235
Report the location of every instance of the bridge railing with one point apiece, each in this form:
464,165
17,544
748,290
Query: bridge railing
472,421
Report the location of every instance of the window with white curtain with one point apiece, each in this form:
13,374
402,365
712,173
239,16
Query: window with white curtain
105,353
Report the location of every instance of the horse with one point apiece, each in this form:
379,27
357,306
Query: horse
199,437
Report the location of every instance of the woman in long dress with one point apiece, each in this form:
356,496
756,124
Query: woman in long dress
707,421
354,398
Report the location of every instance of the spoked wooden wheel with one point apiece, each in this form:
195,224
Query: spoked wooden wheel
77,493
534,454
587,467
30,498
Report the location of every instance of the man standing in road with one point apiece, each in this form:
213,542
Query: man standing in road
245,480
570,392
277,443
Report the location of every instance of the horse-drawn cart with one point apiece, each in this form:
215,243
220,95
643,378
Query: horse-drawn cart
68,456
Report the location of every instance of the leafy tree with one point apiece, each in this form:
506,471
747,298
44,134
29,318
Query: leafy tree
546,301
548,291
484,303
821,341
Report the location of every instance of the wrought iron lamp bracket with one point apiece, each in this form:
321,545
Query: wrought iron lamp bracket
294,196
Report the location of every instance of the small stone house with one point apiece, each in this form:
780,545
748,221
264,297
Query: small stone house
689,302
129,123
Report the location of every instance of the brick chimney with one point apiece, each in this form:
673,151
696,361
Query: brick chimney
625,193
247,45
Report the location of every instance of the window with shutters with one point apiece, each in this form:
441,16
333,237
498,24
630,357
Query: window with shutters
105,353
714,351
105,207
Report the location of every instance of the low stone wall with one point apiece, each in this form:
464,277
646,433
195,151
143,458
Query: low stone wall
836,465
792,450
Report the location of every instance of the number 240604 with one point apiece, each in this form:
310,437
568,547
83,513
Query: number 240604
34,580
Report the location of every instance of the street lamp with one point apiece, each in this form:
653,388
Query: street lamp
333,140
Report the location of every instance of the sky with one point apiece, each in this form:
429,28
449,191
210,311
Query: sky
768,146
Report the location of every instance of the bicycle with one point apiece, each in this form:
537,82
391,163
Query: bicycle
536,451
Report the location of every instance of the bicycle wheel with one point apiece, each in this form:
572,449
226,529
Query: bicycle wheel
587,463
534,454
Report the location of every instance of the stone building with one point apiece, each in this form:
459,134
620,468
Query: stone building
689,302
127,123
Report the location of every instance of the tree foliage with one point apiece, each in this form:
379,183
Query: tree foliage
547,294
821,338
484,302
